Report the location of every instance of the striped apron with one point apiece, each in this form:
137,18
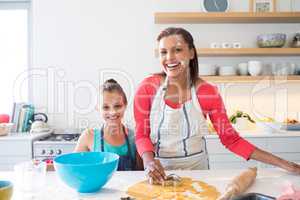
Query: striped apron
178,133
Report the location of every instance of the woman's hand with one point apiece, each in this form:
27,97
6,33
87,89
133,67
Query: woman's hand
293,167
153,168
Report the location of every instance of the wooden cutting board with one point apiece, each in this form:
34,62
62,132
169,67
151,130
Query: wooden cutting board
188,190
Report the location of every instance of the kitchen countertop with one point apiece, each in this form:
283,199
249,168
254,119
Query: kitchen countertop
255,134
25,136
269,182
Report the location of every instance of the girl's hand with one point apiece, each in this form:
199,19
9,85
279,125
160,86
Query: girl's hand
155,172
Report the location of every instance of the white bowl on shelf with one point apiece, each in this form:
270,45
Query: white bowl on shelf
243,69
207,70
227,71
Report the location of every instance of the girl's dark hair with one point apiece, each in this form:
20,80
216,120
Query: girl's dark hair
188,38
111,85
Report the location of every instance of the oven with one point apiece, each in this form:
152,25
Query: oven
47,148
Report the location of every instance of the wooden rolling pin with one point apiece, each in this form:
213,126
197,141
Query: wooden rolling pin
239,184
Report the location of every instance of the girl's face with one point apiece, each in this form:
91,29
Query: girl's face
113,107
175,56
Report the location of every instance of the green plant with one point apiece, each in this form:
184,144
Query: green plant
239,114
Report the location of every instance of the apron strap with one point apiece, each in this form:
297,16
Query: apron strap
128,145
97,139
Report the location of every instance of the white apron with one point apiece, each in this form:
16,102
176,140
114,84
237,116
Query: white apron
178,133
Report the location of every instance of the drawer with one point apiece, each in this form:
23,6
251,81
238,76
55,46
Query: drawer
283,144
15,148
235,165
214,145
7,163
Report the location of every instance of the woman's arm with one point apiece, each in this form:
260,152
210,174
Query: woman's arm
83,142
271,159
212,104
142,108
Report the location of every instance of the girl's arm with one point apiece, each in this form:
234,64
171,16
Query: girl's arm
83,142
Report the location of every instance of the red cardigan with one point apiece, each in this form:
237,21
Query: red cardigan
211,103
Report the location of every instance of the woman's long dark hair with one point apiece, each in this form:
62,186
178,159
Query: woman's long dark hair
188,38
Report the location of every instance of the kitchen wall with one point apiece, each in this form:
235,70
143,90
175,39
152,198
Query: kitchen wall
77,44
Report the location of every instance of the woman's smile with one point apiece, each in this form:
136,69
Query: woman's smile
173,67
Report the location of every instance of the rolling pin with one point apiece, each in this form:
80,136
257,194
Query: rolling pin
239,184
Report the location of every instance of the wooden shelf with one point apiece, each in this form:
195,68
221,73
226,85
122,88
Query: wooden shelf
214,52
226,17
249,52
235,79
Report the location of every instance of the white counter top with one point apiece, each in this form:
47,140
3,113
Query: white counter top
24,136
255,134
269,182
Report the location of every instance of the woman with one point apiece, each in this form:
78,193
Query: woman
113,136
170,110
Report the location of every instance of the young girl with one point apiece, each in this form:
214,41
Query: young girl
113,136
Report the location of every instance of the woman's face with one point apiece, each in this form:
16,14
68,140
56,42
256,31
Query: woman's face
113,107
175,55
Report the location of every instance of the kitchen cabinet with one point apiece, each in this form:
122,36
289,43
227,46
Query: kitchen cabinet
284,144
17,147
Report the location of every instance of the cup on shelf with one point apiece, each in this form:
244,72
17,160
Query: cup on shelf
207,70
254,67
283,69
297,69
226,45
214,45
243,69
292,68
227,71
237,45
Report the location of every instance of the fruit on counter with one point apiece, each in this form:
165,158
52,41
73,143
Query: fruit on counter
267,119
290,121
240,114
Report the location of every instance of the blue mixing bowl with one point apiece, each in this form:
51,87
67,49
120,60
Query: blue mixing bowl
87,172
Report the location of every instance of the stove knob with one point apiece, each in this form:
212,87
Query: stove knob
58,151
43,151
51,152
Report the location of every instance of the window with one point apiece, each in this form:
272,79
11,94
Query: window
14,52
